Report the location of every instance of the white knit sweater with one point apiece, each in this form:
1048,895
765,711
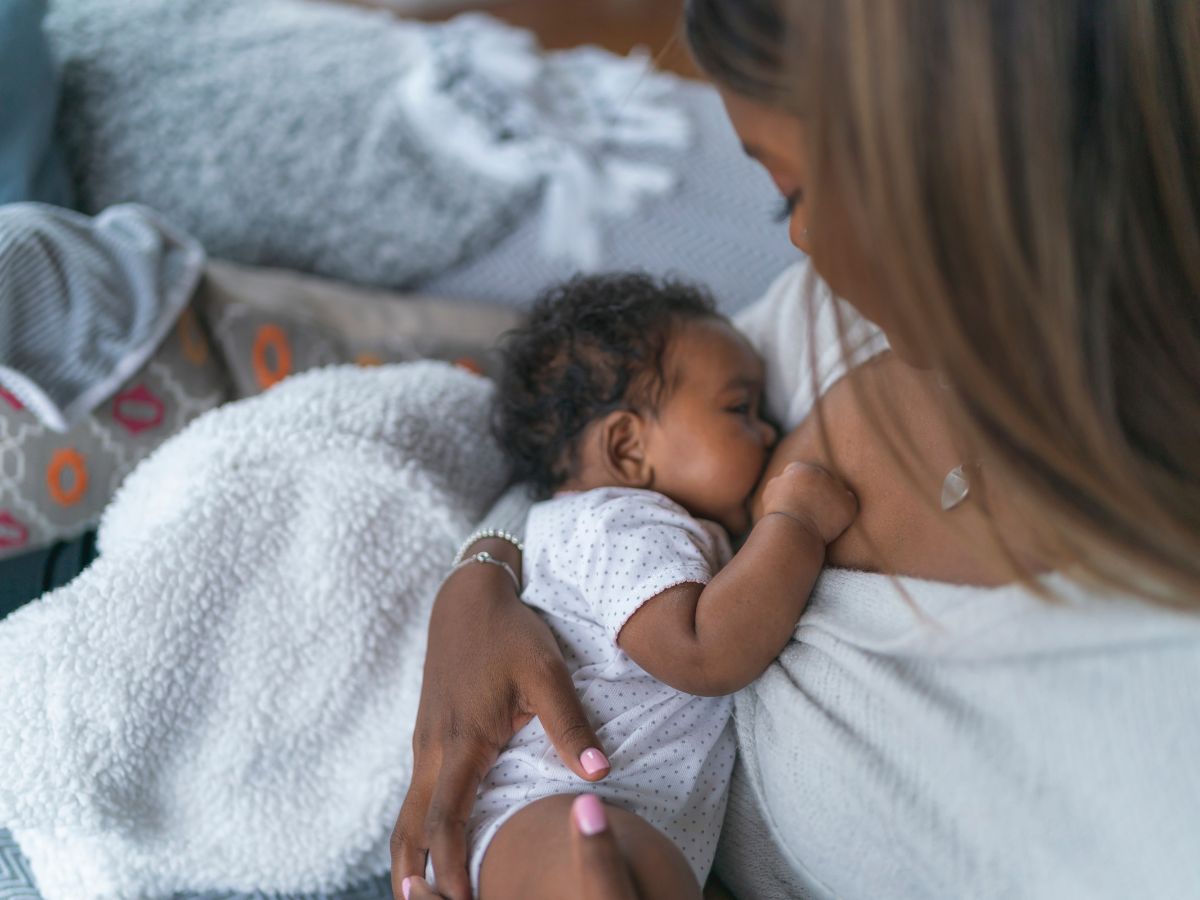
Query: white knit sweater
1003,747
1011,749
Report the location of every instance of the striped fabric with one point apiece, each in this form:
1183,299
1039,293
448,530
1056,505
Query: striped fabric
16,883
85,301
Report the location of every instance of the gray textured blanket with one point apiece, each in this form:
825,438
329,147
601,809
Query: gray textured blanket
346,142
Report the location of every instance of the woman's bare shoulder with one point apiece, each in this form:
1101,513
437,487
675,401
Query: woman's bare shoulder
881,431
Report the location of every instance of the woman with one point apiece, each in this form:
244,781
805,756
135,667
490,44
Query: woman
1010,191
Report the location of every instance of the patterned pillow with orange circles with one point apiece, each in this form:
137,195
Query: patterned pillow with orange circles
54,485
271,323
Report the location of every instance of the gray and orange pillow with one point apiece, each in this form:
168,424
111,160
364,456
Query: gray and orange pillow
245,330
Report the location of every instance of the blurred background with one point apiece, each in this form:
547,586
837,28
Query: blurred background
302,183
618,25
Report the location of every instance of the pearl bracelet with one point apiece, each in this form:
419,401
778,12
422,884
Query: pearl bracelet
484,557
483,535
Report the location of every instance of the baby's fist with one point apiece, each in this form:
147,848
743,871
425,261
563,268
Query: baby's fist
811,495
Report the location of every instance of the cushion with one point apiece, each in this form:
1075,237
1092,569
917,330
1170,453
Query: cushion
31,164
85,301
245,330
271,323
348,143
54,485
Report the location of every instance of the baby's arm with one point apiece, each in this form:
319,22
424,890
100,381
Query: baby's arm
714,640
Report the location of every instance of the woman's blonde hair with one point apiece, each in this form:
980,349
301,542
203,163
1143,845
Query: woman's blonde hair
1027,176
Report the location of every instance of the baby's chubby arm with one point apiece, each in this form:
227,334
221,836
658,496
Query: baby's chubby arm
714,640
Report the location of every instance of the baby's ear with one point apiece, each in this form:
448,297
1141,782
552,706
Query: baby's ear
623,446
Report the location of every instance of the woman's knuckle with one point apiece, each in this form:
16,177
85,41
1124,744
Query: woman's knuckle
462,739
469,739
400,840
409,832
443,822
458,732
572,729
426,742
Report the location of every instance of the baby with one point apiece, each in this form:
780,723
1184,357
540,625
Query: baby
634,408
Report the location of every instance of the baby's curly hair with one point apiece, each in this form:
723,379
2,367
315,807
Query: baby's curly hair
591,345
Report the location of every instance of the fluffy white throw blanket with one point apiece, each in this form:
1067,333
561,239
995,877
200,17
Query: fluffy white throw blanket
225,698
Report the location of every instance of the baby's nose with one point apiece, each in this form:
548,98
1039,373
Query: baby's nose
769,434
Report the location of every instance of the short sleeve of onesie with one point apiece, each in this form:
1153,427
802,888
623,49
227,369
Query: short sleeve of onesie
625,546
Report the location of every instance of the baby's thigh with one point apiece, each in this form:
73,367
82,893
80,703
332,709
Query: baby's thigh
530,856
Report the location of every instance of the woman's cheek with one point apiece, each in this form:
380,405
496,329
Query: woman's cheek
839,255
854,275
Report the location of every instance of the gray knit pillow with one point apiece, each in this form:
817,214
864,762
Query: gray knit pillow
272,131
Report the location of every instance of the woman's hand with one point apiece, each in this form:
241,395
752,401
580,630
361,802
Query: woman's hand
491,666
601,870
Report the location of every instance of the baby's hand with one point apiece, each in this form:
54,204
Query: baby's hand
813,497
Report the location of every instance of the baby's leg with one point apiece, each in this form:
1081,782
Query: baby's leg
530,856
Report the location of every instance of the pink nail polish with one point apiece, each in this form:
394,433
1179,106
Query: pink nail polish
405,887
589,814
593,761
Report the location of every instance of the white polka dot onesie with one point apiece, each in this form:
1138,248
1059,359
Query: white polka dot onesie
591,560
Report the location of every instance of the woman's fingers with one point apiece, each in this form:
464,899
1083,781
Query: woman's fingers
408,843
599,865
479,687
415,888
552,698
449,811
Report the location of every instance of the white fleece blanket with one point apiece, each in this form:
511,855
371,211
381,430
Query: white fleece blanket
225,698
